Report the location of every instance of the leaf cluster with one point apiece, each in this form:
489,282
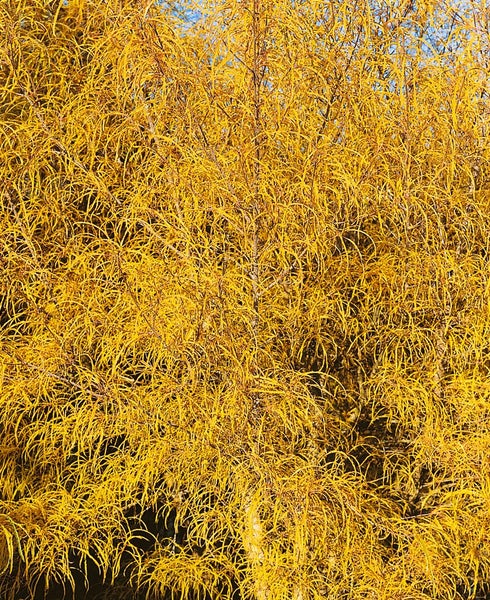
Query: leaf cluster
244,317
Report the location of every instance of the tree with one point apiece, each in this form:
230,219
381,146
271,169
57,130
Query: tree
244,321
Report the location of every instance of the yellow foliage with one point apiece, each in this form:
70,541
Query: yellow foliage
244,315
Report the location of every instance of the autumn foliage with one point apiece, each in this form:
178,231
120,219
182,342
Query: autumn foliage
244,304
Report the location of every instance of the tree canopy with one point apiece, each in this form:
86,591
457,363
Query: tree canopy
244,315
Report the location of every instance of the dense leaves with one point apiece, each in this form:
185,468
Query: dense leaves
244,299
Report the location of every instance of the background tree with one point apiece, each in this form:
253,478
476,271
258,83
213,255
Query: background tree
244,326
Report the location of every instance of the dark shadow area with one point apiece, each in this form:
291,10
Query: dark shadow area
13,317
479,592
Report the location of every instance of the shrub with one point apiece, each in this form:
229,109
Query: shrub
244,304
